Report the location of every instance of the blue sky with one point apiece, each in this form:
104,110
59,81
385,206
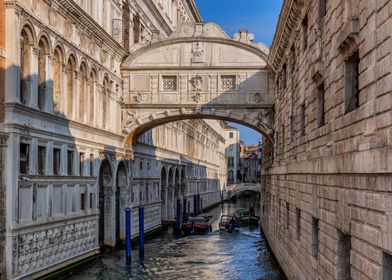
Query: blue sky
258,16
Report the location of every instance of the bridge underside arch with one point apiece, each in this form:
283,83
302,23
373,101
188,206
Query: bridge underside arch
197,73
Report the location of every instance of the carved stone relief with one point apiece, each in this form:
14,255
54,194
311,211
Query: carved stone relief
198,52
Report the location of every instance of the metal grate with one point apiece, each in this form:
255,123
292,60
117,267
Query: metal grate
169,83
228,82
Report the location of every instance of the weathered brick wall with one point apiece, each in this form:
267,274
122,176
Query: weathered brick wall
339,173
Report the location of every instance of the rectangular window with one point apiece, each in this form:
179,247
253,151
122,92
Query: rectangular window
41,160
386,272
70,159
298,223
315,236
231,135
91,200
352,83
303,119
81,164
82,201
56,161
141,165
322,9
292,129
24,157
228,82
287,216
305,33
343,256
91,165
169,83
320,106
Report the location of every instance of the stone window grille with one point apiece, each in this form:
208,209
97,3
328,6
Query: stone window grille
386,272
305,28
56,161
321,106
228,82
352,83
343,254
70,159
315,237
169,83
298,223
287,216
303,111
24,157
41,160
292,128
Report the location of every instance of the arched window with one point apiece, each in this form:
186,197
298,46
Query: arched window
42,63
70,86
93,83
57,96
25,60
105,102
82,92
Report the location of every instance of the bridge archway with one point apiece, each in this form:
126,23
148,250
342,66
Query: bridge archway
197,73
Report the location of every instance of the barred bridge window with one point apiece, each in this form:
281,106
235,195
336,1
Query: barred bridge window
228,82
169,83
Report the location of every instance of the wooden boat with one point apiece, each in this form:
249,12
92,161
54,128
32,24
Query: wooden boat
228,223
246,218
197,225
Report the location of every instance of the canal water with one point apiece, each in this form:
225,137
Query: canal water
242,255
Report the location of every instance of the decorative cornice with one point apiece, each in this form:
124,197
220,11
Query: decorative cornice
288,20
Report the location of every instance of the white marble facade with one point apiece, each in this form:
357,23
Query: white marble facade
68,175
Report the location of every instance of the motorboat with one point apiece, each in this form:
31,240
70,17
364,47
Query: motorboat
246,218
228,223
197,225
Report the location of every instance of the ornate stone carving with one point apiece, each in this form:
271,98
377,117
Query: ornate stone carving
199,30
103,55
264,119
196,83
198,53
68,28
34,250
139,97
258,97
52,16
197,97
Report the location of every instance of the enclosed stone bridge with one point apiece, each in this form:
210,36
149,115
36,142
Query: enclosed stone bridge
197,73
236,189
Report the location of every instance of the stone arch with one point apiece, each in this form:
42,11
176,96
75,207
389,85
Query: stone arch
26,44
121,200
105,193
71,75
44,50
82,90
93,80
164,193
105,99
45,38
58,60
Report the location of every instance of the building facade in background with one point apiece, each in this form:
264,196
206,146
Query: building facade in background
250,164
327,193
67,172
232,136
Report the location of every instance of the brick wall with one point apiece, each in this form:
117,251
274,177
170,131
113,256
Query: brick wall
339,173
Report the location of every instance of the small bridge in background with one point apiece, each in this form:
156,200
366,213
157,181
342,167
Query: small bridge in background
236,189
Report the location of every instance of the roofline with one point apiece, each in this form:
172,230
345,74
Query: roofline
195,10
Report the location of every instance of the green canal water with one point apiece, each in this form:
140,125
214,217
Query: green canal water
241,255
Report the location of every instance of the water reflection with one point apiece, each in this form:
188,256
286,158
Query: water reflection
241,255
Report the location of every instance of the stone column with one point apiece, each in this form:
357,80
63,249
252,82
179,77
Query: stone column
33,78
64,90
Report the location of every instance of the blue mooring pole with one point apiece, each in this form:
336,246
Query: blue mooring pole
195,205
141,229
185,218
128,232
178,218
